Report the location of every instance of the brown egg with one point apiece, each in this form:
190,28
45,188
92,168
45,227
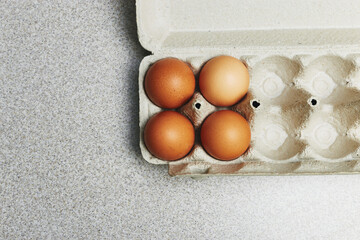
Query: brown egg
224,81
169,135
169,83
225,135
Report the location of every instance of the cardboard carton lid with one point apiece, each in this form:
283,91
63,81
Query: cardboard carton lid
200,25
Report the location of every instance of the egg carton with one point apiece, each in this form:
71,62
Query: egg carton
304,97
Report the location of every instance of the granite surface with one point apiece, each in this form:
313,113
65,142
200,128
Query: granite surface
70,165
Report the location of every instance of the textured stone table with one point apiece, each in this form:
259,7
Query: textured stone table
70,165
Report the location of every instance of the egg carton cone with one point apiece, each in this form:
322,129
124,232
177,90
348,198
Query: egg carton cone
304,97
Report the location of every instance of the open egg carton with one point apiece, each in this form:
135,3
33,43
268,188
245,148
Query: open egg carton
303,103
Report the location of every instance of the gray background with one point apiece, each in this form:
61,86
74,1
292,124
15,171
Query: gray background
70,165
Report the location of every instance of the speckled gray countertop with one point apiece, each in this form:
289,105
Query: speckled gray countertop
70,165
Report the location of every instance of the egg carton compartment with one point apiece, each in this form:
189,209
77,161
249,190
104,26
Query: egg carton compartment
302,110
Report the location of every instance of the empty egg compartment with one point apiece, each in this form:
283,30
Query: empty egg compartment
293,127
332,132
330,79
